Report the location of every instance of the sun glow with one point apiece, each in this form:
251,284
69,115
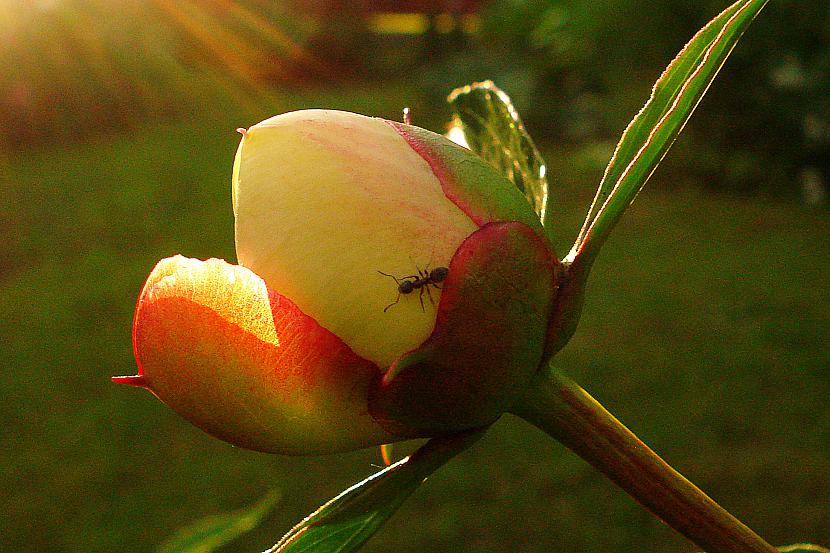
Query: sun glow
77,67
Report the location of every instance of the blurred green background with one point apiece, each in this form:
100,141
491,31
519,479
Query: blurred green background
706,329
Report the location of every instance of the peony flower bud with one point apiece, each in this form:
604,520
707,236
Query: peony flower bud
334,332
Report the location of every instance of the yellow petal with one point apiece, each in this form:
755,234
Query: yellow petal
323,201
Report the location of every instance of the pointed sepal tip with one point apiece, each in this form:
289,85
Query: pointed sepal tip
136,380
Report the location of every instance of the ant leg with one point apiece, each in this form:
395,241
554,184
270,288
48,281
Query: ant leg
421,299
413,277
416,268
429,295
385,309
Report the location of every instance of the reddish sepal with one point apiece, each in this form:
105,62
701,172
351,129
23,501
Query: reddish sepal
488,339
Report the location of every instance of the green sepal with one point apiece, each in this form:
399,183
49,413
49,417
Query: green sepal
493,129
347,521
489,337
474,185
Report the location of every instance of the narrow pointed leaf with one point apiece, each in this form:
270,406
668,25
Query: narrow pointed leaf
649,136
492,128
803,548
210,533
347,521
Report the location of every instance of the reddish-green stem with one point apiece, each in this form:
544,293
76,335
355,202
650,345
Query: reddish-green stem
561,408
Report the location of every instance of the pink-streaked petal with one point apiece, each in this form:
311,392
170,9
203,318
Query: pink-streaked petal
470,182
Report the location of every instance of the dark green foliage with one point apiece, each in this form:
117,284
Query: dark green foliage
586,66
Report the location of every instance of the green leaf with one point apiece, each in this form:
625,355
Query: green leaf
492,128
210,533
347,521
649,136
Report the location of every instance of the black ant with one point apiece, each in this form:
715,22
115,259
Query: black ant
422,281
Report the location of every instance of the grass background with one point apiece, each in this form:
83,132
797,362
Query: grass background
706,330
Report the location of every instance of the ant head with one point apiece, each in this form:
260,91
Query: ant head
405,287
438,274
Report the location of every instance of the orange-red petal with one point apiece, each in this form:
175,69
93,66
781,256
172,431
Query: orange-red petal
246,365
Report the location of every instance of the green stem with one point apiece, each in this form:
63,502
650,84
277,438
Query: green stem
561,408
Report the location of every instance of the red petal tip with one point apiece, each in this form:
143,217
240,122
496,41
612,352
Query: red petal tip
137,380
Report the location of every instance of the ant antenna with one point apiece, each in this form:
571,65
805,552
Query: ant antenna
391,276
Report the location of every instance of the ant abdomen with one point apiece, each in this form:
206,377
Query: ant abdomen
438,274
